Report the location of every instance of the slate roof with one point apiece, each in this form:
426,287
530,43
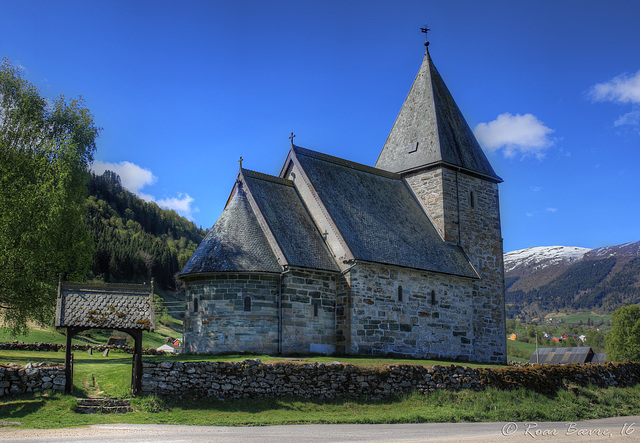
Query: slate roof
563,356
236,243
431,130
289,221
107,306
378,216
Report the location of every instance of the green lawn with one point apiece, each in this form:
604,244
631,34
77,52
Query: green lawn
520,351
55,410
361,361
580,316
92,337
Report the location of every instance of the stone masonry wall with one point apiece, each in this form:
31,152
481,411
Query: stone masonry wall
482,241
33,377
422,324
251,378
466,210
429,188
221,324
307,328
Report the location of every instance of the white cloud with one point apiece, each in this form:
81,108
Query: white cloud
630,118
515,134
133,177
552,210
181,204
624,88
535,188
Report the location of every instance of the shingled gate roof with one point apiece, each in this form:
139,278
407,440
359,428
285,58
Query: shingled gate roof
431,130
236,243
378,216
105,305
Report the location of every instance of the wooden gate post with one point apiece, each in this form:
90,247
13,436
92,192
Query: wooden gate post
68,361
136,374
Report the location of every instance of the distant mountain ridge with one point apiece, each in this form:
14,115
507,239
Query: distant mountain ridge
554,278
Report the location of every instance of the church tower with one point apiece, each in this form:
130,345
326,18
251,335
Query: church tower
436,153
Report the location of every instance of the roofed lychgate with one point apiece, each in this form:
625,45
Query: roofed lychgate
108,306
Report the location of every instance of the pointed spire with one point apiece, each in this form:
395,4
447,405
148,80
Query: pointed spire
431,130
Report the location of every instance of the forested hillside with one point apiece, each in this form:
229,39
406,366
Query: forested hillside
600,280
136,240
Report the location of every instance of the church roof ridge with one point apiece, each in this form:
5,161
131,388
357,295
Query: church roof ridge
347,163
267,177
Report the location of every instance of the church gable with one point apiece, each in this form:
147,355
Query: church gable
378,216
236,243
289,221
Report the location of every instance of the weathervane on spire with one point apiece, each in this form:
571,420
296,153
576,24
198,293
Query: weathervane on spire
291,138
424,31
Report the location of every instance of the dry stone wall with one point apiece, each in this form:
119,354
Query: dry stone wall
251,379
33,377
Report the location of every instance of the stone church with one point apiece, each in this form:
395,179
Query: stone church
403,258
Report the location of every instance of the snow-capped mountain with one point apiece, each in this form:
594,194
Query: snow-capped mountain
542,256
549,278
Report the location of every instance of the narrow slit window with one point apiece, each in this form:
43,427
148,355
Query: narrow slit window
247,304
195,304
433,297
399,293
472,199
315,309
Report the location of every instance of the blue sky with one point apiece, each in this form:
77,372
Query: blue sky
183,89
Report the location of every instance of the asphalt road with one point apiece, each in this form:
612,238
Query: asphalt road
604,430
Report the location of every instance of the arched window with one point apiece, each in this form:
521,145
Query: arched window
247,304
399,293
433,297
195,304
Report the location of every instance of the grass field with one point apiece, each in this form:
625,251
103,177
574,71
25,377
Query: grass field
55,410
94,337
95,375
579,316
520,351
